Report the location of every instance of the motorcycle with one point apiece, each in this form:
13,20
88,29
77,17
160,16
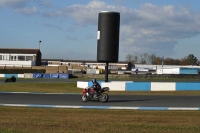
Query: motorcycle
11,79
89,94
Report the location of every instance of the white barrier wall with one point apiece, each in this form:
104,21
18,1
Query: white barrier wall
82,84
20,75
28,75
163,86
1,75
114,86
145,86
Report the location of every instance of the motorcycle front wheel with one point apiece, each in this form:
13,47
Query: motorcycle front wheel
103,97
84,98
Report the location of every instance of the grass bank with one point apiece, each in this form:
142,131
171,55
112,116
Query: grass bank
70,87
45,120
54,120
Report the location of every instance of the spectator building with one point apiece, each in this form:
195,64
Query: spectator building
20,57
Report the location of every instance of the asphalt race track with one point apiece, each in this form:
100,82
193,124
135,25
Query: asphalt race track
153,101
139,102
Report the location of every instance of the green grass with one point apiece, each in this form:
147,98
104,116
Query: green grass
40,87
55,120
45,120
70,87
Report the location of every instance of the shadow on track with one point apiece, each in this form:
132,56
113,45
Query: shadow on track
118,101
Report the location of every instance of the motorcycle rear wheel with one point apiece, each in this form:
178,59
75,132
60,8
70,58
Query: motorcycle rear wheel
103,97
84,98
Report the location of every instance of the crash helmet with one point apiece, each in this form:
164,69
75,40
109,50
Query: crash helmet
94,80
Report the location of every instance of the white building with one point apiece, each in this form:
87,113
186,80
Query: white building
20,57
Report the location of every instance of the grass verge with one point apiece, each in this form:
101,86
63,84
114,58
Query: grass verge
45,120
70,87
41,87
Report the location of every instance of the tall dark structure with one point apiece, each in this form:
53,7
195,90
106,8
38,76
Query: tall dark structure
108,38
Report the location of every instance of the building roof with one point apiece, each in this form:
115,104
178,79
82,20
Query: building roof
86,61
19,51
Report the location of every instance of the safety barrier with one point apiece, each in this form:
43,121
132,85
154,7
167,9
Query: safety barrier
51,76
144,86
188,86
28,75
20,75
2,75
37,75
9,75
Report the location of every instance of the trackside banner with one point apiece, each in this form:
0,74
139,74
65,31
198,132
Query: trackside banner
46,76
63,76
51,76
54,76
37,75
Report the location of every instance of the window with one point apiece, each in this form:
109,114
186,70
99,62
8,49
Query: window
5,57
28,58
21,58
0,57
13,58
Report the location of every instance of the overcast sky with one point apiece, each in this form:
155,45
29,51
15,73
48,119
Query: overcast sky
68,28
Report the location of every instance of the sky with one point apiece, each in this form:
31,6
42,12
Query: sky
67,29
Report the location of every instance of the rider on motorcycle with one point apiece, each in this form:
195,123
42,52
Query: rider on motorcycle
12,77
96,86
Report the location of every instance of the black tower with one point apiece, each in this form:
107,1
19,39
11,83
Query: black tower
108,38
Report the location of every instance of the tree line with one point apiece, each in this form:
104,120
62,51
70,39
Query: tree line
152,59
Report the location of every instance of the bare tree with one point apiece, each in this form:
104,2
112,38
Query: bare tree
192,60
136,58
152,59
145,58
129,58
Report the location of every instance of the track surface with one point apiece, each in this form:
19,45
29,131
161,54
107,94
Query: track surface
115,100
152,101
